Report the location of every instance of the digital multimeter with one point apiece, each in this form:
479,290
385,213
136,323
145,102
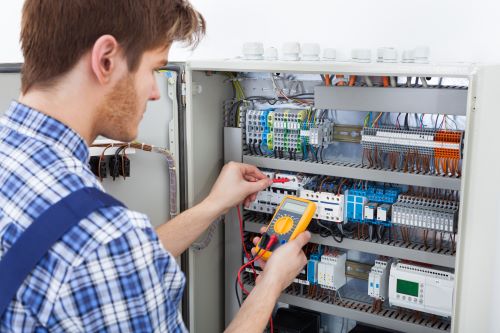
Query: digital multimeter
290,219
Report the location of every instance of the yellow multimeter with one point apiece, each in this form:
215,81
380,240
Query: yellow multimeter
290,219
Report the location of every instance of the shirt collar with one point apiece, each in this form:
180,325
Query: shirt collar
33,123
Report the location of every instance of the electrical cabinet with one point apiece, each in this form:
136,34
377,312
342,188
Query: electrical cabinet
475,104
208,134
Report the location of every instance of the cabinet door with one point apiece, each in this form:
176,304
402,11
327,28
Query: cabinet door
205,93
478,266
10,84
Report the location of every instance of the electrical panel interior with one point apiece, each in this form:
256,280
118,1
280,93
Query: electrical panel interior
381,156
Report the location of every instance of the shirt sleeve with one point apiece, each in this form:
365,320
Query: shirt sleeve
129,284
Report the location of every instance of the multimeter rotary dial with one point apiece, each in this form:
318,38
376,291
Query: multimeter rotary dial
283,225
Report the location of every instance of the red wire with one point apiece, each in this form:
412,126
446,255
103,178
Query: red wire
249,257
240,282
250,263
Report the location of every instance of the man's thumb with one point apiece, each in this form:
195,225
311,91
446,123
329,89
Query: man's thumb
259,185
303,238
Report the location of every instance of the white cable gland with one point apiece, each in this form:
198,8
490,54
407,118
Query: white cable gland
271,53
408,56
310,51
390,55
329,54
421,54
291,51
380,53
253,51
361,55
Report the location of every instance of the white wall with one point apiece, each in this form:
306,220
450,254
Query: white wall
456,30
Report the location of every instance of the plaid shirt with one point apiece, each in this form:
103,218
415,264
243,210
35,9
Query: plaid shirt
109,273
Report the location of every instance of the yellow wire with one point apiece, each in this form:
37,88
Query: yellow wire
376,119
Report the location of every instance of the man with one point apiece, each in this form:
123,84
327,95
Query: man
88,71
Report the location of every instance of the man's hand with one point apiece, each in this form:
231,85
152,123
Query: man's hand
285,263
237,183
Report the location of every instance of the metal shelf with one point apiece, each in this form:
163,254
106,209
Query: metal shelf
452,101
355,171
416,252
387,318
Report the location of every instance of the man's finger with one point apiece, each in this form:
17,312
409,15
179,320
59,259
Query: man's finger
252,170
250,178
263,230
254,187
256,240
302,239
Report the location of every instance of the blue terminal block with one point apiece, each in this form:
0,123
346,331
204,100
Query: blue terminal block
357,200
355,203
387,195
267,130
312,269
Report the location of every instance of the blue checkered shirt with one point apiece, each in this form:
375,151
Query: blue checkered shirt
109,273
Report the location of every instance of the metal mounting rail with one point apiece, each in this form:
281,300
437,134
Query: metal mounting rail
401,250
399,320
434,100
355,171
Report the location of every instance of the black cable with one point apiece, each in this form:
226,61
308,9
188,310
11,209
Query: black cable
236,291
258,146
328,231
321,153
116,163
250,147
407,127
234,111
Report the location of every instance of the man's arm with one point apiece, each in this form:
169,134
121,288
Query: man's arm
283,266
237,183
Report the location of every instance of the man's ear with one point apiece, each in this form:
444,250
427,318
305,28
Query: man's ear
105,55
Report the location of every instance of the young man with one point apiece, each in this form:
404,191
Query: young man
88,71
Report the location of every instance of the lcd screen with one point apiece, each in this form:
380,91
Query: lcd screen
294,207
407,287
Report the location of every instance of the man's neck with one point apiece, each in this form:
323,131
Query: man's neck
68,107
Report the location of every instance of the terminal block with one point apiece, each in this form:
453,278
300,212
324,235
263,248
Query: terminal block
441,215
415,149
312,269
365,205
422,289
287,124
320,134
331,271
256,130
378,280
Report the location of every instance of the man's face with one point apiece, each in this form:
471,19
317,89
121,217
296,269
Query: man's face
124,107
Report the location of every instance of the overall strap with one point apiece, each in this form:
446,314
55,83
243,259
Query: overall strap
42,234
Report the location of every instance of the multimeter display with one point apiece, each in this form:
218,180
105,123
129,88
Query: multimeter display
290,219
294,208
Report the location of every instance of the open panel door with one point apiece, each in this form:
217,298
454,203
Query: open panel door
147,190
477,270
205,93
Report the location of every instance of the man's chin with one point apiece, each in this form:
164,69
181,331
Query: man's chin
122,137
